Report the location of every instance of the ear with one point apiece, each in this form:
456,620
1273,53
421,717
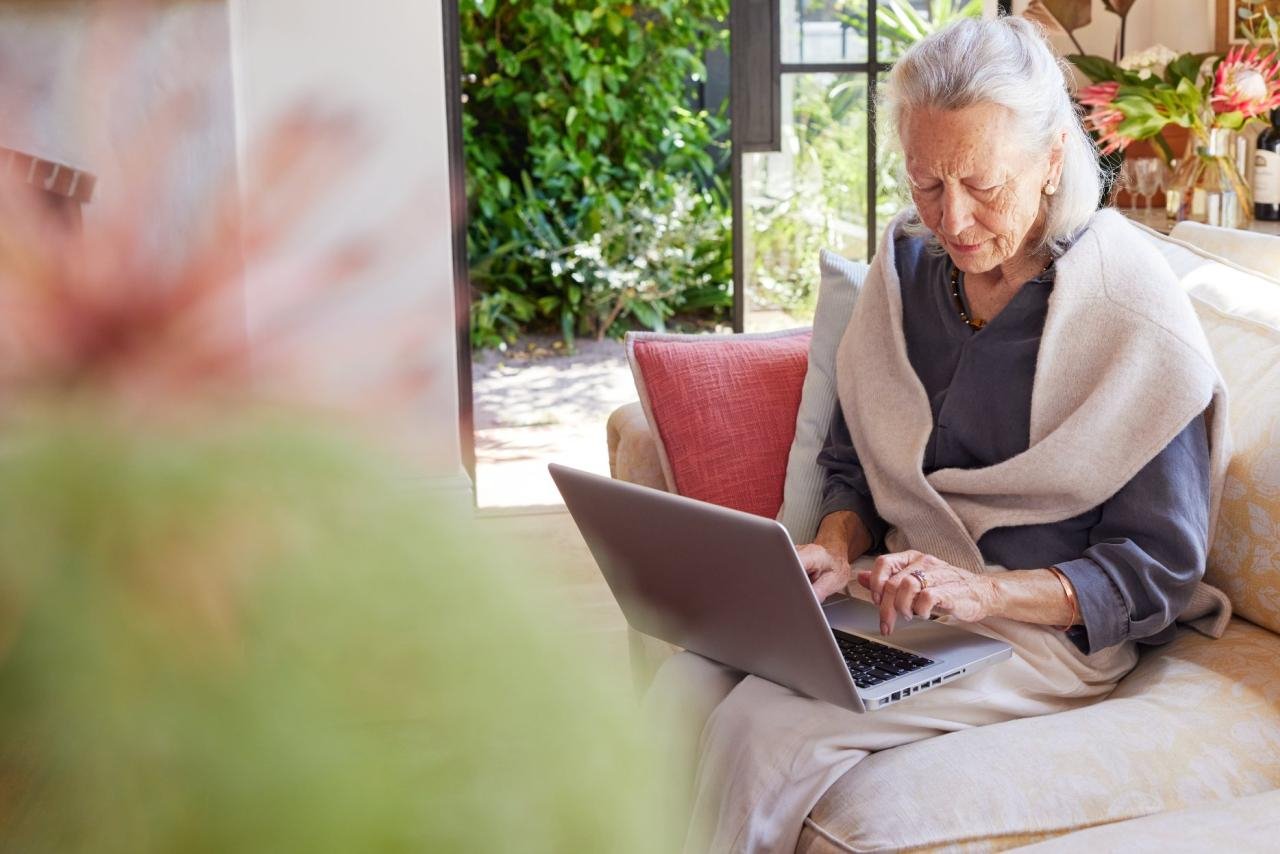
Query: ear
1057,154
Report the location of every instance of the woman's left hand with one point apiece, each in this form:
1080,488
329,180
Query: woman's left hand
897,587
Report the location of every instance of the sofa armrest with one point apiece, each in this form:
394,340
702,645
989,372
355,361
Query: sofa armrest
633,453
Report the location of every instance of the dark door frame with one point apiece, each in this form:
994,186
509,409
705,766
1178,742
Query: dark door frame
458,208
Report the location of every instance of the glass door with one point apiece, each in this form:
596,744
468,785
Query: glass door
828,182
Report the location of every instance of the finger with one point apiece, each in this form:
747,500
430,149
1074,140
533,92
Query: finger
904,602
812,559
864,578
886,567
889,597
827,585
925,602
905,587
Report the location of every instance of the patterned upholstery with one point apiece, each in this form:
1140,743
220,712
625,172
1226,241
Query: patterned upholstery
1236,825
1240,313
1197,721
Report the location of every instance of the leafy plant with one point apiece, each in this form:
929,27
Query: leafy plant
900,24
1071,15
653,256
578,119
814,195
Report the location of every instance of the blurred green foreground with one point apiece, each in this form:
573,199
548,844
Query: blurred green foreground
241,634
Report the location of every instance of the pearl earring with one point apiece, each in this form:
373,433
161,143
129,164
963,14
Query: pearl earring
1049,189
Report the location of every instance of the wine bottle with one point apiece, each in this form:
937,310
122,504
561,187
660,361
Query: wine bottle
1266,171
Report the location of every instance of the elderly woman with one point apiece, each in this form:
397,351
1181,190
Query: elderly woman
1029,426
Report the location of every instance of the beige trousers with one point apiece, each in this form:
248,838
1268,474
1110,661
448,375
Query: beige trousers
750,758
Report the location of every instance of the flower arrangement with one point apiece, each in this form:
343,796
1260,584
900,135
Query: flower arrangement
1135,97
1196,91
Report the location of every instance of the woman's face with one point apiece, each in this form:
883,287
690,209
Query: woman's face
975,184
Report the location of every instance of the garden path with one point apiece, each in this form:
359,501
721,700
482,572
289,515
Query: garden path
535,404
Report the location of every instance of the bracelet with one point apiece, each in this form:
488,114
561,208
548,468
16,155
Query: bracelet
1071,598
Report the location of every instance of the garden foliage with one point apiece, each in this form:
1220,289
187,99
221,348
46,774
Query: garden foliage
598,194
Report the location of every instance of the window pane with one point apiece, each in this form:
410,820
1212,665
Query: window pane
892,194
824,31
811,195
902,24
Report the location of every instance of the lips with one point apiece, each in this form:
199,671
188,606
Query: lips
965,248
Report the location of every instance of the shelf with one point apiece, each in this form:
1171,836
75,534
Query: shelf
1157,221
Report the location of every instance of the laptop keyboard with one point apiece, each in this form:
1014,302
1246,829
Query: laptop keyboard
871,663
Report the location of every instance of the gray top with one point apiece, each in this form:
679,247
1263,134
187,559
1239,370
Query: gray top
1134,560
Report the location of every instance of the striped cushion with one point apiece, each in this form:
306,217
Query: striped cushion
802,494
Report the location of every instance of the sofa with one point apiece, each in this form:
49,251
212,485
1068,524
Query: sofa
1185,753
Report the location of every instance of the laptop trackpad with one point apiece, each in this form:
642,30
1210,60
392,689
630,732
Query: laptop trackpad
930,639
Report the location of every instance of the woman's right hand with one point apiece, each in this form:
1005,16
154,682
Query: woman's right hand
826,559
828,572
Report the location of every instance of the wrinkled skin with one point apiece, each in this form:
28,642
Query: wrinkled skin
981,190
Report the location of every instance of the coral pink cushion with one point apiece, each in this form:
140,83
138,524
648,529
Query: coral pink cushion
724,411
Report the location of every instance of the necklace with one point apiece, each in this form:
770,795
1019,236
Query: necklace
973,322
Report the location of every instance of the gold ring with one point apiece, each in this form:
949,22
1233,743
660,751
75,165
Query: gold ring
919,574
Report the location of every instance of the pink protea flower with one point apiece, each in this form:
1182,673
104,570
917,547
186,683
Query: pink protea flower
1247,82
1099,94
1103,118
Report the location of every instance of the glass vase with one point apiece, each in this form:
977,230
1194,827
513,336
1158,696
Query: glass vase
1207,186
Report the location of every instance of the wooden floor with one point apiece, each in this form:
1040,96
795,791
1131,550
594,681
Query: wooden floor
559,555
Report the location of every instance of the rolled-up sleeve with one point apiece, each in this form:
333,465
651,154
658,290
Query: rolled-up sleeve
844,485
1147,550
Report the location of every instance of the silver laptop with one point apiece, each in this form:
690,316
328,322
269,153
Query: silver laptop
728,585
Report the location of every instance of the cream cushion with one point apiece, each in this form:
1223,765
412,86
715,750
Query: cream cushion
1199,721
1257,252
1240,314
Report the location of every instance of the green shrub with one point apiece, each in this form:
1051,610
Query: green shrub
597,195
824,202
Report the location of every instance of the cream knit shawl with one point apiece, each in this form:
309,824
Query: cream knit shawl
1123,367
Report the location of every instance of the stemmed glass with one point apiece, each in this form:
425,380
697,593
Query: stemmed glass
1129,179
1148,177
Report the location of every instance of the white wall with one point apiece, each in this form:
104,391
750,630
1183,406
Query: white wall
79,92
82,88
1183,25
385,60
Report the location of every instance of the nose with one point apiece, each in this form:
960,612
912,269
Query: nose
957,211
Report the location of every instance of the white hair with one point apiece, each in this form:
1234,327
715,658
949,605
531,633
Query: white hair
1005,61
